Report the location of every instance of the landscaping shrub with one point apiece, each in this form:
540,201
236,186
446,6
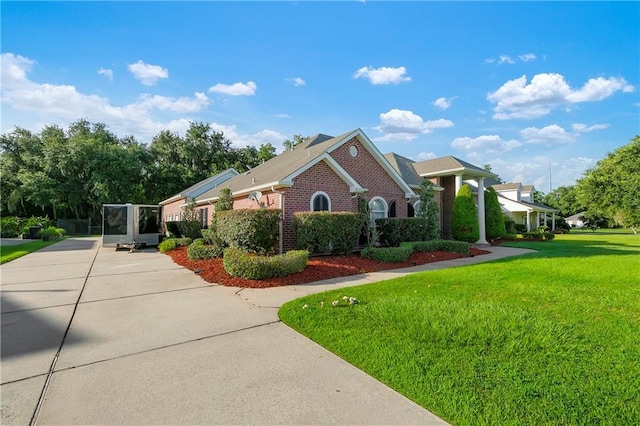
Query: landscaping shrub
250,230
51,233
10,227
438,245
464,222
198,250
510,226
173,229
328,232
429,210
494,219
173,243
225,201
190,225
520,228
395,230
253,267
542,235
211,237
387,254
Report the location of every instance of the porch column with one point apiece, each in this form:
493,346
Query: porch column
481,218
545,218
537,220
458,183
528,221
553,221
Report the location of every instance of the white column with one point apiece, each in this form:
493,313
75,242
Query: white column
458,183
545,218
528,221
481,219
553,221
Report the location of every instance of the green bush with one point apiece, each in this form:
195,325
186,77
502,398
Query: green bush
253,267
328,232
520,228
198,250
438,245
494,219
395,230
172,243
542,235
510,226
51,233
429,210
10,227
250,230
464,222
211,237
173,228
387,254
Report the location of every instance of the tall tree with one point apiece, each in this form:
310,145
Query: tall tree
612,188
494,219
428,209
565,199
289,144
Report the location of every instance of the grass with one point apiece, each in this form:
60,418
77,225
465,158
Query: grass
551,337
9,253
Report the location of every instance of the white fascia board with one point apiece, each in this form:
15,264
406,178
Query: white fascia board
249,190
377,155
170,200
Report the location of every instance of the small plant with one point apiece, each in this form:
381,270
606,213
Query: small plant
198,250
51,233
173,243
387,254
253,267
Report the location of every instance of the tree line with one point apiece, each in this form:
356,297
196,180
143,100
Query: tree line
608,194
71,174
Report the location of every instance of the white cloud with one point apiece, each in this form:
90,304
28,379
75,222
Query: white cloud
382,75
422,156
517,99
296,81
239,140
108,73
505,59
282,115
14,68
182,104
583,128
489,61
487,143
236,89
443,103
527,57
549,135
398,124
148,74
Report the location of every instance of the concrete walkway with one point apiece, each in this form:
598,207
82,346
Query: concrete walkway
95,336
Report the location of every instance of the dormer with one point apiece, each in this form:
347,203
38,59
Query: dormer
512,191
527,193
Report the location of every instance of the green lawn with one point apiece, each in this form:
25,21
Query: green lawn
552,337
9,253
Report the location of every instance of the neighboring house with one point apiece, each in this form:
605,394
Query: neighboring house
173,206
323,173
517,203
576,220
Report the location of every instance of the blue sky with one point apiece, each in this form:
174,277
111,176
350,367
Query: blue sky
525,87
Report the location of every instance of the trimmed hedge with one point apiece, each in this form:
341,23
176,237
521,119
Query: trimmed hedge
212,238
439,245
172,243
464,221
252,267
538,235
387,254
395,230
198,250
255,231
328,232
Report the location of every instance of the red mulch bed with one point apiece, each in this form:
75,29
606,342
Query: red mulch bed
318,268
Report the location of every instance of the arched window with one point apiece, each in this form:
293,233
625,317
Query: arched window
320,202
392,209
378,208
416,208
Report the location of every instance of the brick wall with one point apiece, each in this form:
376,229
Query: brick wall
447,198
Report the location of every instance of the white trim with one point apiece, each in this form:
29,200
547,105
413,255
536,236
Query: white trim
386,207
208,184
316,194
377,155
248,191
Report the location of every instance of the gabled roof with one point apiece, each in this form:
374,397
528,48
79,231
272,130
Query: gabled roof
282,169
508,186
203,186
450,166
528,188
405,167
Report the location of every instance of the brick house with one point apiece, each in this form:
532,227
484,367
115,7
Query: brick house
323,173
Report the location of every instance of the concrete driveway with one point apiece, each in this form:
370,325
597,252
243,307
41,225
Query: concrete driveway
95,336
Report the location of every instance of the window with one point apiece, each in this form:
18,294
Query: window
410,211
377,208
203,217
320,202
416,208
392,209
